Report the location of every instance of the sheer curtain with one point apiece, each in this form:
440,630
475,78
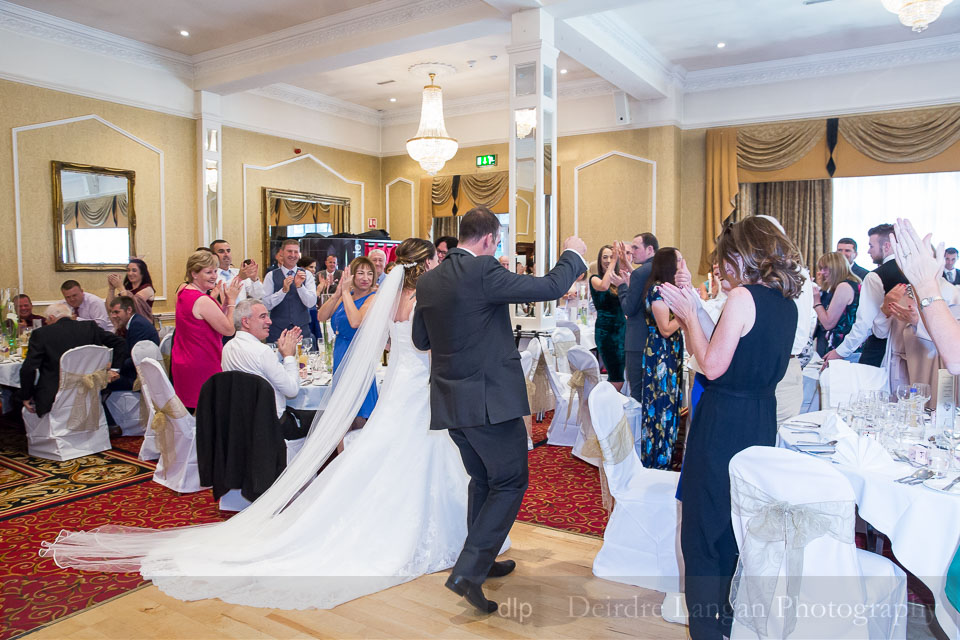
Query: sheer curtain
930,200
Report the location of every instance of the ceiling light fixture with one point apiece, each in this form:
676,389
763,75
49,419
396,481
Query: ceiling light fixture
721,45
562,71
432,146
184,33
916,14
393,99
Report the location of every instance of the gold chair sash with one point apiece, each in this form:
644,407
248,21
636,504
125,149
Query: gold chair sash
143,407
560,348
618,445
541,399
85,413
163,428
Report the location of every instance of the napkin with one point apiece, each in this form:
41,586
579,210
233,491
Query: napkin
864,454
834,428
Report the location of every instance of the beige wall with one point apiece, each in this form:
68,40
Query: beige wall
693,162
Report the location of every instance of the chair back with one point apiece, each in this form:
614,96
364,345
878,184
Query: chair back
141,351
166,348
842,381
585,375
539,395
77,404
145,349
615,439
572,326
563,340
526,363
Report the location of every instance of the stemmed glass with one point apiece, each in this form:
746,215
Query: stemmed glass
307,344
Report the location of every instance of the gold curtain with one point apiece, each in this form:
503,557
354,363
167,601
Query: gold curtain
803,207
485,189
721,188
426,206
907,136
340,217
441,189
775,146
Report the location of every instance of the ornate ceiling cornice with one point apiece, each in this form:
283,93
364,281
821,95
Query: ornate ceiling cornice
319,102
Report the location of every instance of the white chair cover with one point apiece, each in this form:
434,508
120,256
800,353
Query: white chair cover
793,517
564,426
127,407
76,425
585,375
141,351
842,381
562,339
640,541
539,394
174,431
166,348
572,326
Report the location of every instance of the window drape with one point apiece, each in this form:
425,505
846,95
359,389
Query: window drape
109,211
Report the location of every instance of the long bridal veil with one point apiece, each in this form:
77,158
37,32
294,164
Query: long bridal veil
174,551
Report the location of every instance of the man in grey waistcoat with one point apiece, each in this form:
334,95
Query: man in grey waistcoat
288,292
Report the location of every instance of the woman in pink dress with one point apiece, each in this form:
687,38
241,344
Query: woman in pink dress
200,324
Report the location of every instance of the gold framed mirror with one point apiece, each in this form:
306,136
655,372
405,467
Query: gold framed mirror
94,218
299,214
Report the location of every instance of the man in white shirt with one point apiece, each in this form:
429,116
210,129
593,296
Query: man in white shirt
288,293
247,352
252,287
86,306
950,266
379,259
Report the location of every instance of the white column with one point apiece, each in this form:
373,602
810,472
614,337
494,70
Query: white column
533,144
209,165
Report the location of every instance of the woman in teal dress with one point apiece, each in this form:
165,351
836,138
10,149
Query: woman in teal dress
611,324
345,309
662,393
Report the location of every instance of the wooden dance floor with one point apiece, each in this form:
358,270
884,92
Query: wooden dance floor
552,594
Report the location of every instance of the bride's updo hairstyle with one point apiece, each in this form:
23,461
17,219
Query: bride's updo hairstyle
756,251
416,252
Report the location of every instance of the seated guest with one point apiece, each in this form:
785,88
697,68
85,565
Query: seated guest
288,292
247,352
444,244
250,273
379,259
329,278
86,306
25,312
137,284
310,264
48,343
835,301
200,322
133,328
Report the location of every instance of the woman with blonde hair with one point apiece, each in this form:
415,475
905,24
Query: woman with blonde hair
743,360
835,300
200,324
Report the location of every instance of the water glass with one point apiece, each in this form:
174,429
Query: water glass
307,344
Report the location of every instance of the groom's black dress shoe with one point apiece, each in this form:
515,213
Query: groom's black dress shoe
473,593
500,569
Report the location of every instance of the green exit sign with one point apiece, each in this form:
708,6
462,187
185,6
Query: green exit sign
489,160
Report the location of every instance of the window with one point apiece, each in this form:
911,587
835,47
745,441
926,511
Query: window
99,245
300,230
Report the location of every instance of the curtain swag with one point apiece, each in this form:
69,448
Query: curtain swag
776,146
97,212
910,136
483,189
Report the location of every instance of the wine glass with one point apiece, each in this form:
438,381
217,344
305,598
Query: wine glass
921,391
308,344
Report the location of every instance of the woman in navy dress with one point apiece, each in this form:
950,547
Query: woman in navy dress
744,360
345,309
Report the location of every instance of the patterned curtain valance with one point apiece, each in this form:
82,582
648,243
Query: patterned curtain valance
776,146
909,136
103,211
485,189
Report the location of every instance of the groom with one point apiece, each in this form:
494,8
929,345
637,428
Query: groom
477,389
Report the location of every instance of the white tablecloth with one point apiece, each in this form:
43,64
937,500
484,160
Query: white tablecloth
10,374
923,525
586,336
311,395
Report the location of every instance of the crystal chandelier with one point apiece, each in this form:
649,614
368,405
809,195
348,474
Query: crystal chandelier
916,14
432,146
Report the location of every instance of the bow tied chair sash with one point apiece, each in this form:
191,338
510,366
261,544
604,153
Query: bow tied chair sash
777,533
577,382
143,407
616,447
560,348
85,413
164,429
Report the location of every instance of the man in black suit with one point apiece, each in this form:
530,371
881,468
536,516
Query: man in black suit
950,272
477,388
133,328
48,343
631,295
848,247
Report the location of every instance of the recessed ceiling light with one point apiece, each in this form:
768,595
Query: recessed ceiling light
393,99
562,71
721,45
185,33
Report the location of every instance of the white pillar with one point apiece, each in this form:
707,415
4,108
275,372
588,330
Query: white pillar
533,144
209,166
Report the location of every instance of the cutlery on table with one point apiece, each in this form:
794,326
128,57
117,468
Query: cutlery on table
952,482
917,476
830,443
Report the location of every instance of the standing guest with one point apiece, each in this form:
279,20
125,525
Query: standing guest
835,301
329,278
47,344
662,387
504,261
345,310
744,360
444,244
133,328
611,325
876,285
310,264
86,306
226,272
200,321
950,266
137,284
642,248
379,259
848,247
289,291
521,269
25,312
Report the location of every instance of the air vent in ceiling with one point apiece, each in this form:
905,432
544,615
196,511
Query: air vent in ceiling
814,1
389,81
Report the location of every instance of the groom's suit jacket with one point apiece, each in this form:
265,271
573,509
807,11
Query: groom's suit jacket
463,317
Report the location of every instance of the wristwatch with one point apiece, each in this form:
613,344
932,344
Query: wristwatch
926,302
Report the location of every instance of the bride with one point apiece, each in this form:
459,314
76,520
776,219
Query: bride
392,507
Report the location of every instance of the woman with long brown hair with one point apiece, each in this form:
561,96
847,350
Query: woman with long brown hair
611,325
744,360
136,284
835,301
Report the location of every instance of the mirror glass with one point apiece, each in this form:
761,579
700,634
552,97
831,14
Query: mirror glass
94,221
297,214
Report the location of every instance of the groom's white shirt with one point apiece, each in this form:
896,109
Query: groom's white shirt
564,251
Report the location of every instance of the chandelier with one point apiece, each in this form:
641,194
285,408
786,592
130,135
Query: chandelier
432,146
916,14
526,122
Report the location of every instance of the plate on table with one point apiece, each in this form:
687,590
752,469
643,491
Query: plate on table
938,484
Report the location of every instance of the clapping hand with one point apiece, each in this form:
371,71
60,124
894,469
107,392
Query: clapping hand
905,311
250,270
683,302
114,281
300,278
287,342
217,291
286,283
683,279
892,297
616,279
232,290
621,252
919,261
346,282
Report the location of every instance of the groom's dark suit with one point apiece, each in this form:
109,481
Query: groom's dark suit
477,388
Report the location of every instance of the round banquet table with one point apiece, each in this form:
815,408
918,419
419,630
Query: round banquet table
10,373
923,525
311,395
